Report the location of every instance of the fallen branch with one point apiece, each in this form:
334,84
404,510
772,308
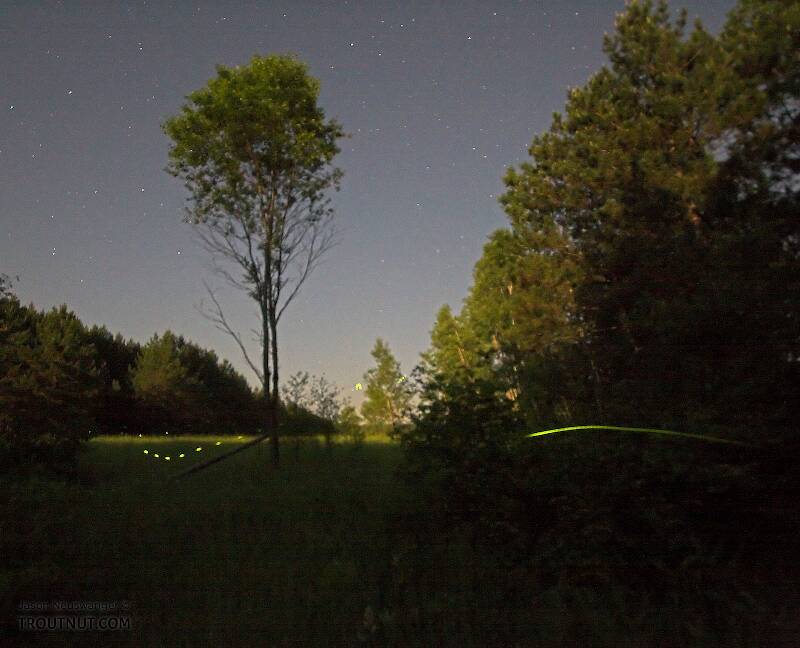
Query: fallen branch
205,464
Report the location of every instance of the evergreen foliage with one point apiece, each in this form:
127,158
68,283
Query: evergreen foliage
49,381
387,392
648,277
349,424
61,382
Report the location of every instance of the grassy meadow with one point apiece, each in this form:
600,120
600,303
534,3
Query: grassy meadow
332,549
318,553
236,555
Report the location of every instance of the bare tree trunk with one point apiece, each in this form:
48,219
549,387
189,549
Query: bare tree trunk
270,321
273,411
273,324
270,413
265,352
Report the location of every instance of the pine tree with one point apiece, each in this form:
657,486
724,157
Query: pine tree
667,168
162,383
50,378
387,392
349,424
115,410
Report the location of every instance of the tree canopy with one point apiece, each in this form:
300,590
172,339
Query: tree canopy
648,277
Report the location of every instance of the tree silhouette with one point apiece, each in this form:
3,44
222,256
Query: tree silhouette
255,150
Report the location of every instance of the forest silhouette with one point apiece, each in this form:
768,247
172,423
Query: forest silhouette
647,281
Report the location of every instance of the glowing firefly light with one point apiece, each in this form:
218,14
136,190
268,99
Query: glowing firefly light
197,449
147,452
181,456
156,455
166,458
218,443
644,430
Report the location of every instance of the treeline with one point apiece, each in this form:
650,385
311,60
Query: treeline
649,277
62,382
650,272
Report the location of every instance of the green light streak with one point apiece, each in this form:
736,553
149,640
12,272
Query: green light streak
645,430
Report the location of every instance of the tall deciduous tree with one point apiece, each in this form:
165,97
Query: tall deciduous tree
324,397
255,150
295,391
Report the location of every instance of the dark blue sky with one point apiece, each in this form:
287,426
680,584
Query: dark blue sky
440,97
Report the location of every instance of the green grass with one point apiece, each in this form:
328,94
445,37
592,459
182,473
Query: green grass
239,554
332,549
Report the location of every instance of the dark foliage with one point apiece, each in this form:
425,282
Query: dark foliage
649,278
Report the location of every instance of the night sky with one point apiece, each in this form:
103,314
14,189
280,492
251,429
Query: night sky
440,97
